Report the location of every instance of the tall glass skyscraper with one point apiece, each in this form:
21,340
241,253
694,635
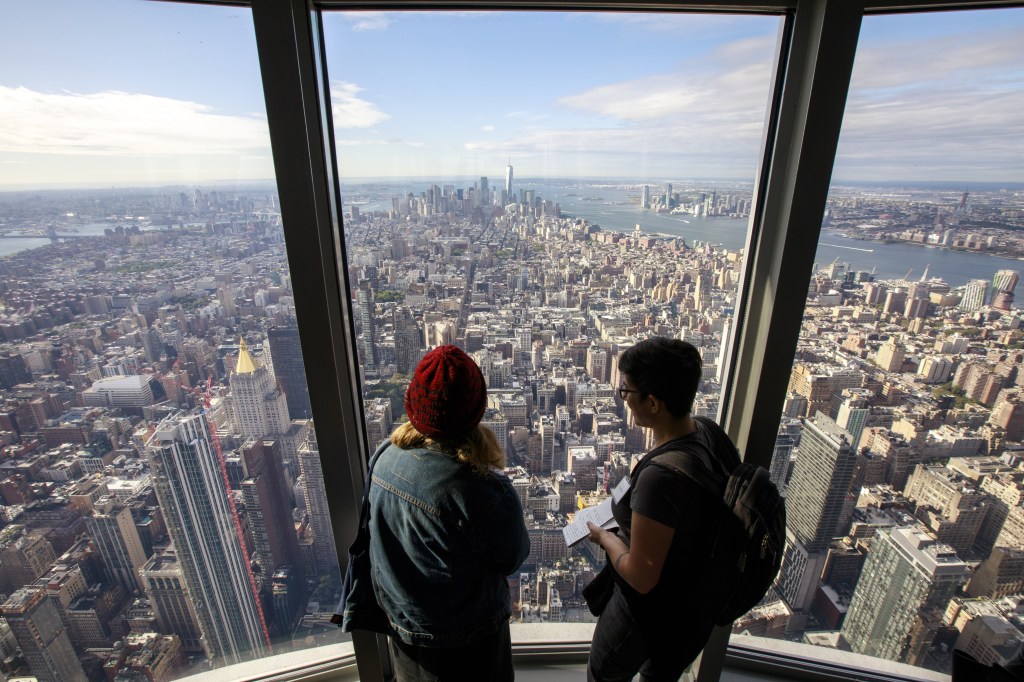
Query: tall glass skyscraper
814,504
975,294
365,306
203,523
821,479
906,585
289,371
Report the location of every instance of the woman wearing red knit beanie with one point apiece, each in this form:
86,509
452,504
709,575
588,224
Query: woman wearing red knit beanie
446,528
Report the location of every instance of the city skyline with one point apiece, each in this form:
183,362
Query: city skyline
694,85
111,336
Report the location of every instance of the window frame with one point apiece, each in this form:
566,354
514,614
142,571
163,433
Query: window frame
816,50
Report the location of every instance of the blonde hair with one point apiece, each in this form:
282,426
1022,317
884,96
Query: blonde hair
479,448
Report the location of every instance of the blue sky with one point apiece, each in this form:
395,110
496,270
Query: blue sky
115,92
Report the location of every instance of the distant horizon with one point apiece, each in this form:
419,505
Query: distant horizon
270,183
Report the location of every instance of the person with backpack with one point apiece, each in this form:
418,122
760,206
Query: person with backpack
658,618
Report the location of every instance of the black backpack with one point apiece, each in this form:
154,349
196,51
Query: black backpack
747,552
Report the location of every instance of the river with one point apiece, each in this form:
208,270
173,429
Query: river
615,207
9,247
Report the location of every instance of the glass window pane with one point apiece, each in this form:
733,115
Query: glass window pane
899,446
161,501
543,190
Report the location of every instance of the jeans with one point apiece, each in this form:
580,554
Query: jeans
620,649
489,658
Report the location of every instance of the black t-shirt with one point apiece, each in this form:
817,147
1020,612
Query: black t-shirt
677,501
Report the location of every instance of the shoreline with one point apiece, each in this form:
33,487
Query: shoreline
1009,255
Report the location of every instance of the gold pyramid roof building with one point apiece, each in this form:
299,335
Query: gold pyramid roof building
245,363
259,407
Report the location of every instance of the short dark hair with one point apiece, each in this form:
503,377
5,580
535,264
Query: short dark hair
668,369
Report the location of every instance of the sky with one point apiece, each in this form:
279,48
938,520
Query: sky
128,92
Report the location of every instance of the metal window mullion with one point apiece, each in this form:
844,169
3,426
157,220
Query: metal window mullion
813,100
287,40
800,153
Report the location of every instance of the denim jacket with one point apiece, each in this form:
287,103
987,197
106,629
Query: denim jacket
442,540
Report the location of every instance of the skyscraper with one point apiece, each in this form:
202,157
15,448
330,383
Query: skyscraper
202,521
597,363
508,181
324,550
975,294
365,306
907,582
289,370
949,504
853,415
821,479
260,408
40,632
408,341
1003,284
789,432
547,444
113,530
268,513
814,504
1005,280
287,598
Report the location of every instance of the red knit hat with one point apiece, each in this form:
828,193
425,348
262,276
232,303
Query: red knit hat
447,395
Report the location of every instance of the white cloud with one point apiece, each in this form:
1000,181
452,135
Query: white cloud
705,116
638,100
720,86
351,111
367,21
526,116
628,150
918,109
120,123
488,129
929,110
941,61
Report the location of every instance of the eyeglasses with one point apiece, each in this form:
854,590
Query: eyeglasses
623,391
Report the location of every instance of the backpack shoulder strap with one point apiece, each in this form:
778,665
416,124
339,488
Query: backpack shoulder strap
690,464
690,457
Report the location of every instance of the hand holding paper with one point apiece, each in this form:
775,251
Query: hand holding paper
599,515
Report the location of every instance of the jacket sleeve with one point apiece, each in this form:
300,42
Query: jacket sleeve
506,539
